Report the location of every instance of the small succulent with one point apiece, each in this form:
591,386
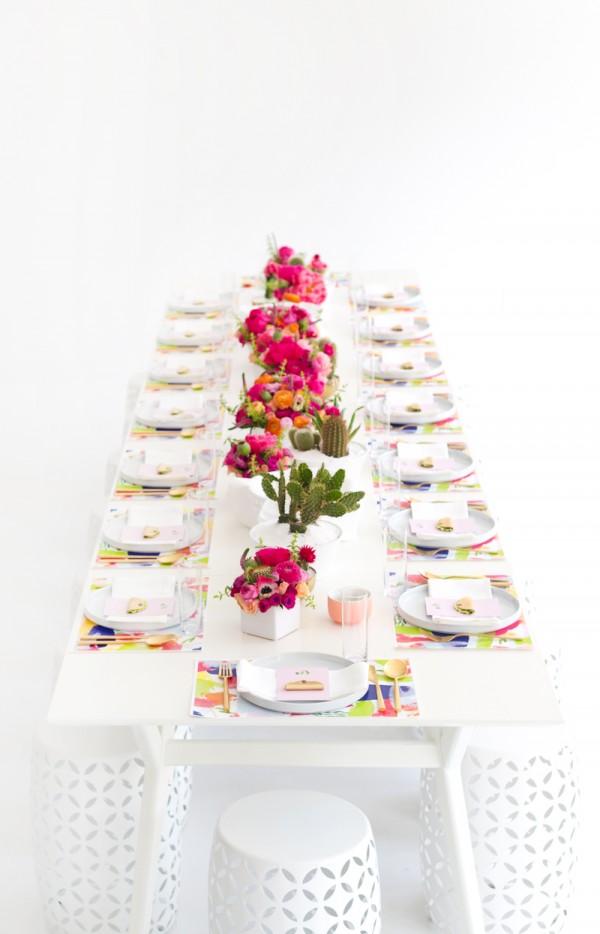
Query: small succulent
303,497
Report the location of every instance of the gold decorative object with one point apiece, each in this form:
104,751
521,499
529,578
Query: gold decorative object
136,605
304,685
164,468
426,462
446,524
465,606
182,370
413,407
150,531
407,365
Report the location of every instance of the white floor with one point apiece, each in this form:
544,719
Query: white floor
517,406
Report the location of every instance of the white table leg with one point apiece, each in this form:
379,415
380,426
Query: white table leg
150,742
453,744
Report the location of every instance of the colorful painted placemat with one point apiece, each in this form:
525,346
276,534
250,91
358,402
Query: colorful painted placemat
515,636
207,697
119,641
384,478
195,554
139,432
445,426
486,551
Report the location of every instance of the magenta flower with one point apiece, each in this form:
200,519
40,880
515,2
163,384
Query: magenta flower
289,571
289,600
249,592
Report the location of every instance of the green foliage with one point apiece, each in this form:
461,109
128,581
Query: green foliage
305,497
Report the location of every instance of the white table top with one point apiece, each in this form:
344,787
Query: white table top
454,686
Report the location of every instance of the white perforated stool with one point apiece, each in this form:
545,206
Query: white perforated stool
86,798
293,860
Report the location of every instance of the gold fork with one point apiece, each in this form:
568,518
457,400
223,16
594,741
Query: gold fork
225,674
374,679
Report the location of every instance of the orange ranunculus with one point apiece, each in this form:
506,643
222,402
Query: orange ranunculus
283,399
301,421
293,328
274,427
265,378
290,297
301,590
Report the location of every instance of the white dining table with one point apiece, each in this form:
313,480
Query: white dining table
456,689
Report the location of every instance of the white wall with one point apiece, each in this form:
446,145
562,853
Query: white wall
150,144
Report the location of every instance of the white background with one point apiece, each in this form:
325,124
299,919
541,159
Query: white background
148,145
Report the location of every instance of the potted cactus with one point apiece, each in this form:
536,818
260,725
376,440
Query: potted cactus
306,504
330,442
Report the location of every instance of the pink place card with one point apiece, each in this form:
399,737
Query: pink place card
444,606
439,463
427,526
150,471
167,535
287,676
155,606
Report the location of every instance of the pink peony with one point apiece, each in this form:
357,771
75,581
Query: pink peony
272,556
285,253
289,571
249,592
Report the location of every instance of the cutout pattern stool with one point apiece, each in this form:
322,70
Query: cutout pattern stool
293,861
86,791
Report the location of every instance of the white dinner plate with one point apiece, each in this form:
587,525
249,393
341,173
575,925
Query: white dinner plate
305,660
113,535
380,297
462,466
422,329
147,413
444,409
130,471
411,607
96,601
484,529
190,336
372,369
189,306
204,369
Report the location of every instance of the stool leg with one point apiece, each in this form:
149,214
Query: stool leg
156,777
453,809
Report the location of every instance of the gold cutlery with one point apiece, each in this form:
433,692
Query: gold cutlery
153,641
500,582
374,679
225,673
395,668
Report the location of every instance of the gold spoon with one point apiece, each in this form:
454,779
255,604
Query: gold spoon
395,668
373,678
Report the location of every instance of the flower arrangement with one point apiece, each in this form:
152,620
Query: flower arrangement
273,577
289,278
278,402
302,357
257,454
265,324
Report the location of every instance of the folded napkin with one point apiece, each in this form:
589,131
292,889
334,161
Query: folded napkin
404,360
181,364
263,681
398,324
180,405
193,301
157,593
191,329
166,517
443,594
399,401
178,461
425,515
435,454
398,295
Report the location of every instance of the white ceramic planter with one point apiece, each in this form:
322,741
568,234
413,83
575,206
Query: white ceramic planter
352,463
324,535
274,624
245,498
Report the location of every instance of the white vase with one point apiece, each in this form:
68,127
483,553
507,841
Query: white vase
352,463
324,536
246,498
274,624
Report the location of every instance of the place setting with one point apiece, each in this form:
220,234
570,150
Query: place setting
459,611
401,365
198,333
427,465
172,411
451,530
393,327
163,532
198,304
394,296
189,369
169,469
412,409
145,611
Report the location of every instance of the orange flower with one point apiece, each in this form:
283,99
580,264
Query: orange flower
274,427
255,408
290,297
265,378
301,421
301,590
293,328
283,399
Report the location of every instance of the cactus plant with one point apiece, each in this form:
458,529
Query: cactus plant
304,439
336,433
308,496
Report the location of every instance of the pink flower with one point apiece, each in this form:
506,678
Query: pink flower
331,410
322,363
288,600
316,386
272,556
249,592
307,553
329,349
285,253
288,571
317,264
266,586
285,424
264,605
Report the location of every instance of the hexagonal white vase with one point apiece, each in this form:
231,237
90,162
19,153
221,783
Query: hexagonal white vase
276,623
324,536
245,498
